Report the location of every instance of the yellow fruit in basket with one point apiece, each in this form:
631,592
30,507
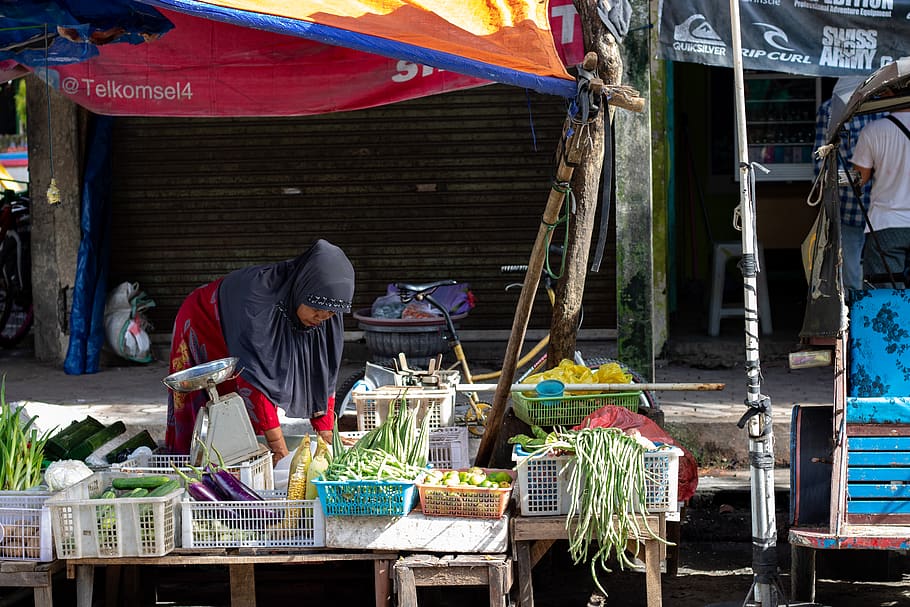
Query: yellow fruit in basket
504,484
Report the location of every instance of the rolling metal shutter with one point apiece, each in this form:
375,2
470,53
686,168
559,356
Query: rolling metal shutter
449,186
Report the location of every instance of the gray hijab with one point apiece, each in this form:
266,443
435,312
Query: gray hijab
295,366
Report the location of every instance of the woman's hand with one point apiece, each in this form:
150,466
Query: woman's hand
326,436
275,438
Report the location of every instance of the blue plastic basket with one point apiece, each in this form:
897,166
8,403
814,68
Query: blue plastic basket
367,498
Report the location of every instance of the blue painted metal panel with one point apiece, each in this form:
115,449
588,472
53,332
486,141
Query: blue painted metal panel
878,443
880,475
878,490
879,347
878,506
879,410
894,459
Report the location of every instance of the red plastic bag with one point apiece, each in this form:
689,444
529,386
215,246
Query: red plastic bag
619,417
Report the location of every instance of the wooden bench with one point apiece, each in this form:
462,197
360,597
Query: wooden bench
29,574
241,565
493,570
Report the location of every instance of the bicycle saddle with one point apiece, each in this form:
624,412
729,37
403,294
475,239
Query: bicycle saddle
407,292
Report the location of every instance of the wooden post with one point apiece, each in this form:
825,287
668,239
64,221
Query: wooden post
528,291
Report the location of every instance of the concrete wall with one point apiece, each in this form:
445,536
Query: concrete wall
55,151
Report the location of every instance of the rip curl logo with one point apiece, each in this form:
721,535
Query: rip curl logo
848,47
775,37
695,35
781,50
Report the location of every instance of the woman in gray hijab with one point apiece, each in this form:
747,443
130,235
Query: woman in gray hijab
284,322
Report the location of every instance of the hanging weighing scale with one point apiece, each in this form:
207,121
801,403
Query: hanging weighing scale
222,423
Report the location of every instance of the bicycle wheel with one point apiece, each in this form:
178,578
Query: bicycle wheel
16,312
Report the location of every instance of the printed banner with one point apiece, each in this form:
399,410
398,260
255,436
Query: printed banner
205,67
807,37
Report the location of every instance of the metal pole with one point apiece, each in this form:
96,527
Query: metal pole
757,419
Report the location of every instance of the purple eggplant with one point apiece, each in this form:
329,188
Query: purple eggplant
201,492
239,492
197,489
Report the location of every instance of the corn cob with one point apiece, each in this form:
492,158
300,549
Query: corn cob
297,480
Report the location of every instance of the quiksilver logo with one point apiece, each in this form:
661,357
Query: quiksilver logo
695,35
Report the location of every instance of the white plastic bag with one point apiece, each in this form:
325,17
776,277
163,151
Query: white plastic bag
125,322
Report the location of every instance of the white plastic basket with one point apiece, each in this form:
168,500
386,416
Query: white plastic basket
448,446
373,405
88,527
275,522
543,481
256,472
25,526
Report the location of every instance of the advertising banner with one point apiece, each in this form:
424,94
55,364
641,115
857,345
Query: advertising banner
807,37
205,67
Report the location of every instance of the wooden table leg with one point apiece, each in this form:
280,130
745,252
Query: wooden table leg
497,575
652,573
802,573
407,586
523,563
44,596
243,585
85,581
382,582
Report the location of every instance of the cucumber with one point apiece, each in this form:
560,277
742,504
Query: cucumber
169,487
137,492
149,481
107,494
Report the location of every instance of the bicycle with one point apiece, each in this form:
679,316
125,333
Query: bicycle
16,309
475,415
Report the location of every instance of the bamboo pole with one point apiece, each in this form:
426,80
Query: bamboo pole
574,147
655,387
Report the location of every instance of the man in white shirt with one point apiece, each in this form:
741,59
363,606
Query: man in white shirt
884,148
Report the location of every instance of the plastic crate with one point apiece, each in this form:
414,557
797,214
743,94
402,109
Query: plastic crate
568,410
465,501
87,527
448,447
25,526
543,481
295,524
256,472
367,498
373,405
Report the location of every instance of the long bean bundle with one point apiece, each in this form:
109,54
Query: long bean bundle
396,449
21,448
607,494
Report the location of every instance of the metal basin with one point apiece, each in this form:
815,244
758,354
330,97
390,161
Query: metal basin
198,377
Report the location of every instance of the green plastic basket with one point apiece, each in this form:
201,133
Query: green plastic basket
568,410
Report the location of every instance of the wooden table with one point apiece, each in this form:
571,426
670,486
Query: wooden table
29,574
532,536
240,563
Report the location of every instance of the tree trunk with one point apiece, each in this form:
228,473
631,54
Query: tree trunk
585,184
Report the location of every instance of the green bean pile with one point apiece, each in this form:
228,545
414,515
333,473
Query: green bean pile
607,495
394,450
21,448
